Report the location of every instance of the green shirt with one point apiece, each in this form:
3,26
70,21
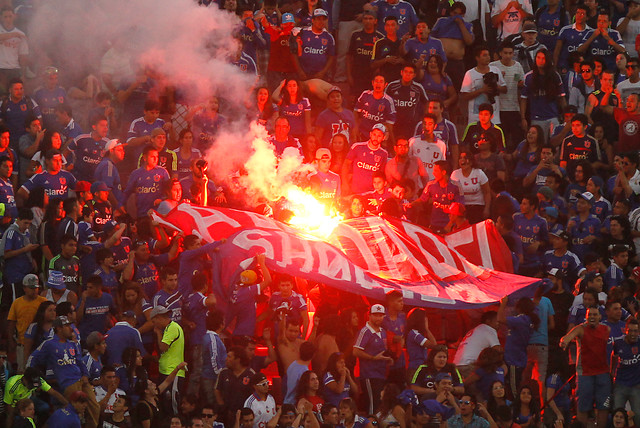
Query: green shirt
16,391
169,360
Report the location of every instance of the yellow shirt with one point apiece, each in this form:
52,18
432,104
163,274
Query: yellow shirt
23,311
169,360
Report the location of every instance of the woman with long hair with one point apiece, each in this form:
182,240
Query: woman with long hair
497,398
130,298
346,337
619,233
265,110
357,207
186,153
490,367
51,140
41,328
521,326
131,372
620,418
349,417
544,93
339,147
424,380
526,406
474,184
295,107
206,121
418,338
391,412
581,173
337,380
557,390
527,154
437,84
308,389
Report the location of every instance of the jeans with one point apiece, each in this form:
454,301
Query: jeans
195,370
547,126
594,388
622,394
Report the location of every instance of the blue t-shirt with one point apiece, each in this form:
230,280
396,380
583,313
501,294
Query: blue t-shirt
416,49
600,47
15,114
173,302
93,366
571,39
146,274
442,197
329,395
243,309
396,327
563,399
372,343
48,100
447,27
549,25
486,379
108,172
109,280
435,90
147,185
18,266
63,358
415,349
402,10
313,50
67,417
540,107
374,110
515,348
88,153
366,162
530,231
296,115
121,336
544,311
141,128
54,185
96,314
333,123
579,231
205,128
628,373
196,312
569,264
184,165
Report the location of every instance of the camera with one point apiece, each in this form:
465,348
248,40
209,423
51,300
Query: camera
491,80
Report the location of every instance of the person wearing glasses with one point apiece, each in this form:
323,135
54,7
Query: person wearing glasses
261,402
569,38
583,87
632,83
466,415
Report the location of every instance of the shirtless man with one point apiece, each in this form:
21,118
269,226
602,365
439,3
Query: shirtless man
455,34
289,342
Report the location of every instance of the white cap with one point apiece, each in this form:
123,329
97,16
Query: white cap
158,310
112,144
380,127
377,309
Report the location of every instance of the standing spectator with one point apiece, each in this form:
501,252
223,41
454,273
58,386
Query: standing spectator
627,381
508,16
437,84
632,83
139,133
579,146
261,402
603,42
629,27
471,414
475,188
476,91
89,149
95,308
581,90
15,110
374,107
370,348
525,51
513,74
402,10
387,57
360,52
484,125
420,47
363,161
584,228
335,119
49,97
146,182
69,128
409,99
281,65
214,355
295,107
404,166
483,336
107,172
538,348
71,415
314,51
234,384
121,336
533,231
542,95
18,261
550,19
570,38
15,48
427,148
599,102
97,346
594,383
628,124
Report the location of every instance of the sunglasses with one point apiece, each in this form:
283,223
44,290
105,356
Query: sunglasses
266,383
207,415
3,357
585,71
467,402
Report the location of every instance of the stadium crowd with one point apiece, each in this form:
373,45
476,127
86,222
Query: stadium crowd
443,113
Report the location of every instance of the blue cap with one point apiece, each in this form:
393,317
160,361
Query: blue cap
434,407
99,186
287,18
551,212
109,226
56,280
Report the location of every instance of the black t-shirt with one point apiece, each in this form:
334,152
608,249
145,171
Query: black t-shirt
384,48
361,50
145,411
235,390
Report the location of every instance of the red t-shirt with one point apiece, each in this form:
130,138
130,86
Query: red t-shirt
280,54
593,350
628,135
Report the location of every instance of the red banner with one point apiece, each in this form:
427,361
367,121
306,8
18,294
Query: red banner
369,256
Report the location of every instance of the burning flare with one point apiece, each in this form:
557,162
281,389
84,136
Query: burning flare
311,215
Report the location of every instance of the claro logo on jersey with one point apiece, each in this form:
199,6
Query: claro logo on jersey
314,51
367,167
147,189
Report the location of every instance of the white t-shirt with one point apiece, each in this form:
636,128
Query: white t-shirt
473,81
512,22
263,411
11,49
101,393
481,337
471,186
629,36
39,157
428,153
626,88
512,75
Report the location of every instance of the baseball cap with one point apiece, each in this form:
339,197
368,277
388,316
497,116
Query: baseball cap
377,309
109,226
596,179
561,234
248,276
158,310
551,212
112,144
571,108
337,88
56,280
380,127
546,192
433,407
369,12
320,12
50,70
587,196
61,321
442,376
590,276
529,27
323,154
258,378
99,186
129,314
83,186
288,18
158,131
31,281
94,338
